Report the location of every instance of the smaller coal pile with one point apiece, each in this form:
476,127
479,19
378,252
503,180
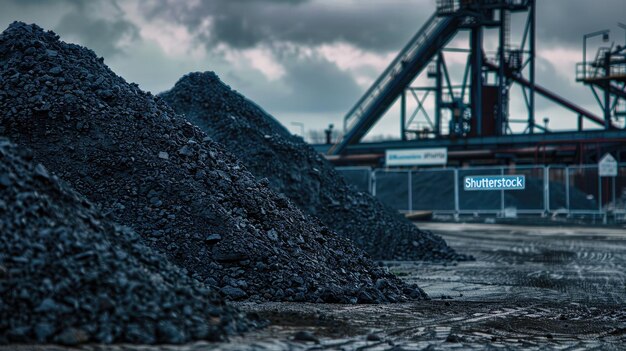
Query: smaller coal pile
152,170
299,172
68,275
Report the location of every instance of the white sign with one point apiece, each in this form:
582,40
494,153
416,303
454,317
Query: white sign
607,167
416,157
500,182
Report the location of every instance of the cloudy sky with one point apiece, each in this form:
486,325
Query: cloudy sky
304,61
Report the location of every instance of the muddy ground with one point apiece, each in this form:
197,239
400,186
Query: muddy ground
531,288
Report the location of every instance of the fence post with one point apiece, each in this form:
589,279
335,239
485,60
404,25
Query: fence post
546,190
374,182
613,191
456,193
567,191
410,193
502,195
599,192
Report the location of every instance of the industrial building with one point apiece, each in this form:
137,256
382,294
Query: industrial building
472,119
471,129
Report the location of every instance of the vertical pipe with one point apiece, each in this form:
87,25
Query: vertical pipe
613,189
599,191
501,79
502,195
567,190
607,105
607,91
584,57
476,40
580,123
410,207
374,183
403,115
531,108
546,189
438,98
456,193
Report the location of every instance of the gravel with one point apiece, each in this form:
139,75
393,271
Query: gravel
69,275
152,170
294,169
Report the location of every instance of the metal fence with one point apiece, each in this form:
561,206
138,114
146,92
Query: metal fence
568,190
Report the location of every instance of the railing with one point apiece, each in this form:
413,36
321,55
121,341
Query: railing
550,190
592,70
585,70
445,7
620,108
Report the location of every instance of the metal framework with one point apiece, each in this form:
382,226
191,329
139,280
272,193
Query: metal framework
477,106
606,76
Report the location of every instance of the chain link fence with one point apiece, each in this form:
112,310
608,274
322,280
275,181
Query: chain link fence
568,190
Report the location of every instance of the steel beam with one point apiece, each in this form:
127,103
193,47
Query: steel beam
476,39
553,97
531,107
477,143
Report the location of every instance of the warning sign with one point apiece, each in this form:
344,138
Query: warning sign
607,167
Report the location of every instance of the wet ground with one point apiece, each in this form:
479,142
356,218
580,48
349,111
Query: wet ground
531,288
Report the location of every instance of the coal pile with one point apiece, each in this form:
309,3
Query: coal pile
154,171
68,275
297,171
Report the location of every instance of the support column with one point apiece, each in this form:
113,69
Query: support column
607,91
403,115
476,95
531,99
438,95
607,105
501,78
580,123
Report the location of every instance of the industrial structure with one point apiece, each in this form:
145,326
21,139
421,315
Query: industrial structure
471,119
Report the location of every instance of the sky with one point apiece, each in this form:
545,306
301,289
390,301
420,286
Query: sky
306,61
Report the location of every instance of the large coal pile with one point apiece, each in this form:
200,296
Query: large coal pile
296,170
68,275
154,171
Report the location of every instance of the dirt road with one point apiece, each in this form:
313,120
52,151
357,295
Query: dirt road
531,288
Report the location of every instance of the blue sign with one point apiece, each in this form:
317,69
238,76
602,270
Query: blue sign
501,182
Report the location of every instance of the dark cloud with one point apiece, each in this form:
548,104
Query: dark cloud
310,84
101,35
371,25
318,85
99,25
564,22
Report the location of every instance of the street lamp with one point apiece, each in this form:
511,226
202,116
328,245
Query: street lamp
605,38
301,125
623,26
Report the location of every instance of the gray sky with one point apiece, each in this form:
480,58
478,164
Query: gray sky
302,60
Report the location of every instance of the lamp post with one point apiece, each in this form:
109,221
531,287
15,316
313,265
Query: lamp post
301,125
605,38
623,26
